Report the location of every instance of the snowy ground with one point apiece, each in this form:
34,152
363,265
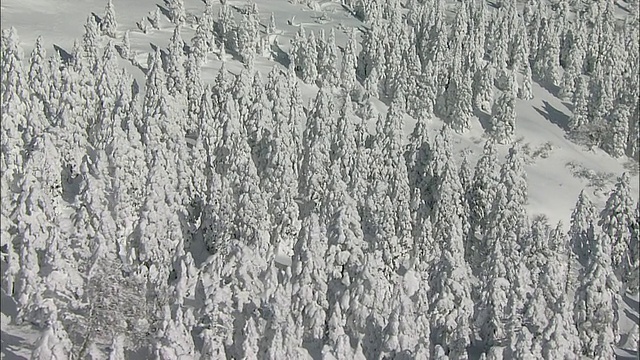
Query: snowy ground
554,181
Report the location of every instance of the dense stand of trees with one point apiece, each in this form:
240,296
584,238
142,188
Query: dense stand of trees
226,220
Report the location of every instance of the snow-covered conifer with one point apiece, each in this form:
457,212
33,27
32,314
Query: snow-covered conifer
177,12
483,87
328,61
39,73
547,63
90,44
582,218
248,36
125,46
109,24
271,26
309,60
54,342
483,186
616,141
503,118
615,220
317,146
525,92
226,27
175,63
349,62
309,287
580,104
594,303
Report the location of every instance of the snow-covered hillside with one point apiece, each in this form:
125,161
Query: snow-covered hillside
295,170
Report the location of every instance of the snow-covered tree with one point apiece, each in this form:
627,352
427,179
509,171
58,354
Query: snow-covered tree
616,141
525,92
328,61
616,221
54,342
580,104
583,216
348,78
483,87
109,24
309,59
317,146
177,12
174,66
503,118
309,287
595,300
483,187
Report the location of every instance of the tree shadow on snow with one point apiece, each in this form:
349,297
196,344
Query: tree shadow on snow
629,355
279,55
632,316
164,11
554,115
97,18
64,54
483,118
632,303
9,344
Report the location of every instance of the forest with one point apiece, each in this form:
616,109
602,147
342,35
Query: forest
230,219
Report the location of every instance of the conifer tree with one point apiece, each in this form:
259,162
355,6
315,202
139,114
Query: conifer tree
89,53
582,218
248,35
615,220
226,27
177,12
483,187
309,287
483,88
109,24
125,46
594,303
616,141
503,118
525,92
459,99
317,146
175,63
309,60
580,105
328,61
39,75
348,78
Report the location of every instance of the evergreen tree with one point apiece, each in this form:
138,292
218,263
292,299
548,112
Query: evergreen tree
503,118
309,287
580,105
177,12
483,87
40,76
525,92
109,24
594,303
125,47
175,64
483,187
616,141
309,60
348,78
317,147
328,61
582,218
615,220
